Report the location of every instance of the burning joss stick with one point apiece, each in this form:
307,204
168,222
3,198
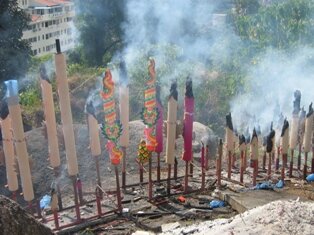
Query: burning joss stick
159,130
8,148
111,128
124,116
308,137
254,155
19,139
294,127
188,127
284,147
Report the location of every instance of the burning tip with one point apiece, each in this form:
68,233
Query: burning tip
310,110
173,90
189,87
58,47
284,127
229,121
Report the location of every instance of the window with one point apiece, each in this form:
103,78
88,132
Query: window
38,50
35,52
50,11
44,48
47,36
42,24
38,38
43,37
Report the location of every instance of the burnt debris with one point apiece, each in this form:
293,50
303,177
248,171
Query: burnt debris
229,121
310,111
189,88
43,73
297,102
284,127
173,91
90,109
4,109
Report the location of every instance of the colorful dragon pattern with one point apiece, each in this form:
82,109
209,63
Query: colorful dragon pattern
111,128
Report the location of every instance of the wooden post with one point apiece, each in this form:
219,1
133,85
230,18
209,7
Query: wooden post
269,165
229,164
141,172
284,163
98,202
118,189
277,159
56,219
305,166
175,169
168,180
191,168
264,160
218,169
76,203
291,163
255,171
158,167
242,167
299,157
124,167
150,184
186,177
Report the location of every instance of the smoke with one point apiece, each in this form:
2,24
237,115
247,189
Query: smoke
272,83
181,35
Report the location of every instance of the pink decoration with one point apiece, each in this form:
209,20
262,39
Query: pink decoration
188,128
159,128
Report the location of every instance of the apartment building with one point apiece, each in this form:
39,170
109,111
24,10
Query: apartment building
50,19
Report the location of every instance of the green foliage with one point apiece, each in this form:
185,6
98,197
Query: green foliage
30,97
14,52
99,23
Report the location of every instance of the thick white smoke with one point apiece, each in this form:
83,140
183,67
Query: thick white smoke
272,82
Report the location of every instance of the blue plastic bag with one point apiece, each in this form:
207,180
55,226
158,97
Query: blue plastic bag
216,204
310,178
45,201
264,185
280,184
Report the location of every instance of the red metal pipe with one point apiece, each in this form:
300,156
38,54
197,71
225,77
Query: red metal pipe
118,189
291,164
77,207
124,167
269,165
284,162
305,166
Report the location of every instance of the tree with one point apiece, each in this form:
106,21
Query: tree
14,52
99,23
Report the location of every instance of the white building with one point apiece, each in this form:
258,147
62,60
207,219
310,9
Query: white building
51,19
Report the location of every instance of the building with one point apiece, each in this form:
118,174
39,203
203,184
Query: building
50,19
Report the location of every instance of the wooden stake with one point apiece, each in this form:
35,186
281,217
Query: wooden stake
305,166
98,202
291,164
269,165
191,168
242,167
264,161
255,171
284,163
175,169
168,180
118,189
186,177
158,167
150,184
218,168
124,167
299,157
76,203
277,159
56,219
229,164
141,172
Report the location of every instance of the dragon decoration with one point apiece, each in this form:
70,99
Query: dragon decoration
111,128
150,112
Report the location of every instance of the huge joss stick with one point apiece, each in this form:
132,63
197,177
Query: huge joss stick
50,117
66,113
301,135
270,145
284,147
111,128
308,137
229,141
150,111
8,148
124,115
171,130
19,139
188,128
94,141
294,127
159,130
254,155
